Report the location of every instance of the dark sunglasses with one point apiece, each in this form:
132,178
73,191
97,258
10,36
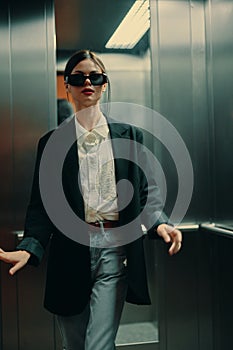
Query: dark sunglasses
79,79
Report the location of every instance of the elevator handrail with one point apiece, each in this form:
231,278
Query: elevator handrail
188,227
218,228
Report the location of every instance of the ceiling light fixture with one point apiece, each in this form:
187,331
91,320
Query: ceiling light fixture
132,28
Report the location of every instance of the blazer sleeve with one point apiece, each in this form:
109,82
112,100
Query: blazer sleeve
38,227
150,195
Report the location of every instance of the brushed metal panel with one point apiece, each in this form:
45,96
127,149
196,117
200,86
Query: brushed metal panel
31,99
220,49
175,81
28,109
34,113
200,152
9,299
8,287
180,93
6,158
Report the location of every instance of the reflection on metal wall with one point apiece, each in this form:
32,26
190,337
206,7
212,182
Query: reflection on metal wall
28,109
219,41
192,78
179,87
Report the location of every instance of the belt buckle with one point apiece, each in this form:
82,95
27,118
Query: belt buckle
96,226
101,226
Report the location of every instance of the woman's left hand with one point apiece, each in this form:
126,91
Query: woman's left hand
171,235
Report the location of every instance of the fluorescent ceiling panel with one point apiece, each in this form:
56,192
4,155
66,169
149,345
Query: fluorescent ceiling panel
132,28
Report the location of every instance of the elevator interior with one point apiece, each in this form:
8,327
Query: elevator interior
183,69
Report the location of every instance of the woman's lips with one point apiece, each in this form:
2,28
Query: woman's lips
87,91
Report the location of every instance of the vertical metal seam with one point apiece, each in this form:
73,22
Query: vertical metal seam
50,37
155,65
193,91
210,102
13,154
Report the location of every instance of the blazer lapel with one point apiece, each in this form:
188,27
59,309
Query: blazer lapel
118,132
121,154
71,182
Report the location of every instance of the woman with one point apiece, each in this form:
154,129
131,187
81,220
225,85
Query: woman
88,283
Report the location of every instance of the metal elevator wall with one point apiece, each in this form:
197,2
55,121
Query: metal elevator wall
192,80
28,109
192,84
180,92
219,41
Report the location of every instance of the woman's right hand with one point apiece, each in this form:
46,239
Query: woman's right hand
18,259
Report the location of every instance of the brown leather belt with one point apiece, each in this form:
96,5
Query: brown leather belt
106,224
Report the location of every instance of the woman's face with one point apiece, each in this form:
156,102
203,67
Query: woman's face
86,95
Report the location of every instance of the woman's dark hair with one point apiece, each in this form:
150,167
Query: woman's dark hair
80,56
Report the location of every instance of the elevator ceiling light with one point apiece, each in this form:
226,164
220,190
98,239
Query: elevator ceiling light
134,25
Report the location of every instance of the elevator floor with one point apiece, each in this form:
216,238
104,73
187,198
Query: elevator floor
136,333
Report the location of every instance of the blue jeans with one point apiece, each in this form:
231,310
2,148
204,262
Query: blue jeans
96,327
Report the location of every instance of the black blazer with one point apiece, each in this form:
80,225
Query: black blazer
68,281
